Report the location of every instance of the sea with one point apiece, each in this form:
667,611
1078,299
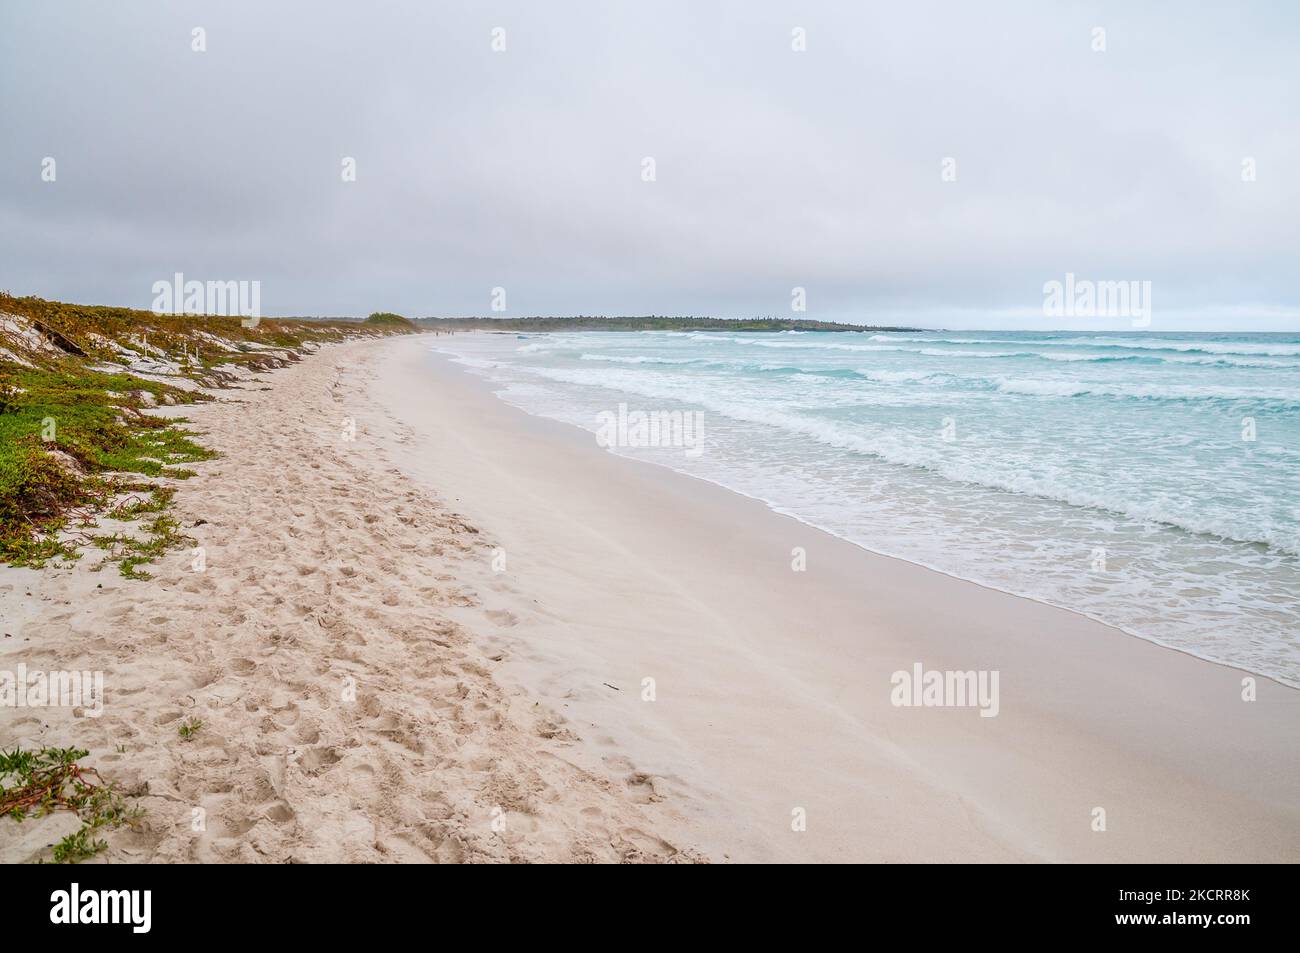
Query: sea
1147,480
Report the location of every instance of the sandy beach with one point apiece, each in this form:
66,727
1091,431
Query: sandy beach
470,634
346,714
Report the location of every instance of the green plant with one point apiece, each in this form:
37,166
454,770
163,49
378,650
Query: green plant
189,728
76,847
75,422
389,318
96,432
36,783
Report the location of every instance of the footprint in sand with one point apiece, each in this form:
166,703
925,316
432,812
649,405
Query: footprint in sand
241,666
315,760
502,617
278,812
645,788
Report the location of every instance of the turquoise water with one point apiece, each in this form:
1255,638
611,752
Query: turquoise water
1151,481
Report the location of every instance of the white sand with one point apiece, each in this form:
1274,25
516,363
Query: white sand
520,690
324,571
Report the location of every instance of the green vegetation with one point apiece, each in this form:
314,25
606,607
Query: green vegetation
650,323
76,435
189,728
67,435
162,533
387,317
106,332
36,783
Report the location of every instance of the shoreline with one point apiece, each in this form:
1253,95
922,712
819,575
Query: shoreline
776,509
450,392
1288,680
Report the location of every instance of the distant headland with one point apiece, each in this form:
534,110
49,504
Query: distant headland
650,323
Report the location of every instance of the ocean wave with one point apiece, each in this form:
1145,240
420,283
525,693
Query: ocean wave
1001,383
1190,347
644,359
936,352
908,449
1225,360
820,346
1182,345
1094,358
901,377
1037,387
917,337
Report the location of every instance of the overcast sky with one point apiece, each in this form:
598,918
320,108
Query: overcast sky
774,168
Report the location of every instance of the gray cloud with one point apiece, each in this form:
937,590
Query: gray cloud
776,169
